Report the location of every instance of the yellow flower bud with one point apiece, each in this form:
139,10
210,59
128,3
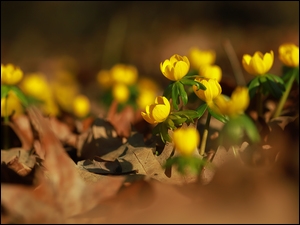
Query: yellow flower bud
104,79
186,140
175,68
13,105
259,64
125,74
120,92
289,54
236,105
199,58
211,71
213,89
158,112
10,74
81,106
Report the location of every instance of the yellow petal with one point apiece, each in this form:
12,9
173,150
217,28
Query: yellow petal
180,70
257,64
268,61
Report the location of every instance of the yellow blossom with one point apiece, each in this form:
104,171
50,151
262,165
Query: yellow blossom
13,105
199,58
145,98
213,89
147,84
236,105
157,112
175,68
259,64
10,74
104,79
81,106
120,92
211,71
289,54
36,85
186,140
126,74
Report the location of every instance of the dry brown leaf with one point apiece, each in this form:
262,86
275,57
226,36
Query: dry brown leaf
100,139
62,194
22,127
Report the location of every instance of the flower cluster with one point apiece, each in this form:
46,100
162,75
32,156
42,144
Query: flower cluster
34,88
121,83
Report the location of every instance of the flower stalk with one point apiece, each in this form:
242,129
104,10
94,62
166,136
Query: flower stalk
204,136
284,96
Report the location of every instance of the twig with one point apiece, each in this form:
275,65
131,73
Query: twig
237,71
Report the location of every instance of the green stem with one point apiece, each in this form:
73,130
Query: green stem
204,137
259,102
284,97
6,120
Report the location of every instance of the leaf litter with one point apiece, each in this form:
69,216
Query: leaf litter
119,173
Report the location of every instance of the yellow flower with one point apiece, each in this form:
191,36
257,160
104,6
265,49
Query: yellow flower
36,85
259,64
65,88
199,58
211,71
147,84
186,140
175,68
104,78
120,92
236,105
124,74
289,54
213,89
49,107
145,98
10,74
13,105
158,112
81,106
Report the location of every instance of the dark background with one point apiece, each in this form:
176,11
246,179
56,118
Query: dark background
98,34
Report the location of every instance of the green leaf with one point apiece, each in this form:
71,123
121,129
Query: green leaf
179,121
221,118
4,90
169,123
156,129
278,80
182,93
34,100
168,91
232,132
287,73
250,128
175,95
193,82
164,133
252,86
187,113
201,109
270,85
20,95
296,74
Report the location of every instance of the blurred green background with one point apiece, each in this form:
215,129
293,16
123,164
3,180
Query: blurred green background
95,35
